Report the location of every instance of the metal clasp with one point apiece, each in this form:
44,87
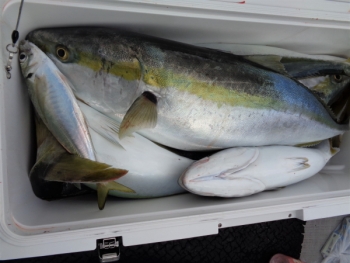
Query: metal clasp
12,51
108,249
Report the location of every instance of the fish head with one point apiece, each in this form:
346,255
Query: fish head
86,46
329,88
220,185
339,84
338,96
223,174
59,45
83,54
339,81
31,58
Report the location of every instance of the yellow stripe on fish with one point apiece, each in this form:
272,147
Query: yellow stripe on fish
129,70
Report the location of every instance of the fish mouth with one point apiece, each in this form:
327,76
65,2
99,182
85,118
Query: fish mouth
181,181
188,186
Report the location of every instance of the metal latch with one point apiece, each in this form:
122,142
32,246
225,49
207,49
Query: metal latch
108,249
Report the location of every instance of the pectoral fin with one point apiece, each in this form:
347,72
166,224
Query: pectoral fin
102,124
141,115
269,61
103,189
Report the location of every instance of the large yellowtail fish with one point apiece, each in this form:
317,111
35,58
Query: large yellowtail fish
184,96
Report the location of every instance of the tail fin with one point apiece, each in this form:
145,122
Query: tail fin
296,164
329,147
70,168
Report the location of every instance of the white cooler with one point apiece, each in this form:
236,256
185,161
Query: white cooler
32,227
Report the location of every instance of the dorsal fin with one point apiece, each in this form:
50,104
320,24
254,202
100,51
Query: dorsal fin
272,62
308,144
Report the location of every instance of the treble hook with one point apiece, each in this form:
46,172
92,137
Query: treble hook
14,50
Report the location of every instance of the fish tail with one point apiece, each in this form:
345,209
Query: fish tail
330,147
70,168
296,164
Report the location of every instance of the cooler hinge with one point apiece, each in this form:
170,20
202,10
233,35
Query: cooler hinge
108,249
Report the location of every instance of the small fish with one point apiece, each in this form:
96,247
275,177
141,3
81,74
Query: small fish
54,101
333,90
328,88
245,171
183,96
56,105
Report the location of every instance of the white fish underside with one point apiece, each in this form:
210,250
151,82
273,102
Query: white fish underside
244,171
152,170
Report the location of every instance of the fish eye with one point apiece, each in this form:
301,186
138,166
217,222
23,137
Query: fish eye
22,57
338,78
62,53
